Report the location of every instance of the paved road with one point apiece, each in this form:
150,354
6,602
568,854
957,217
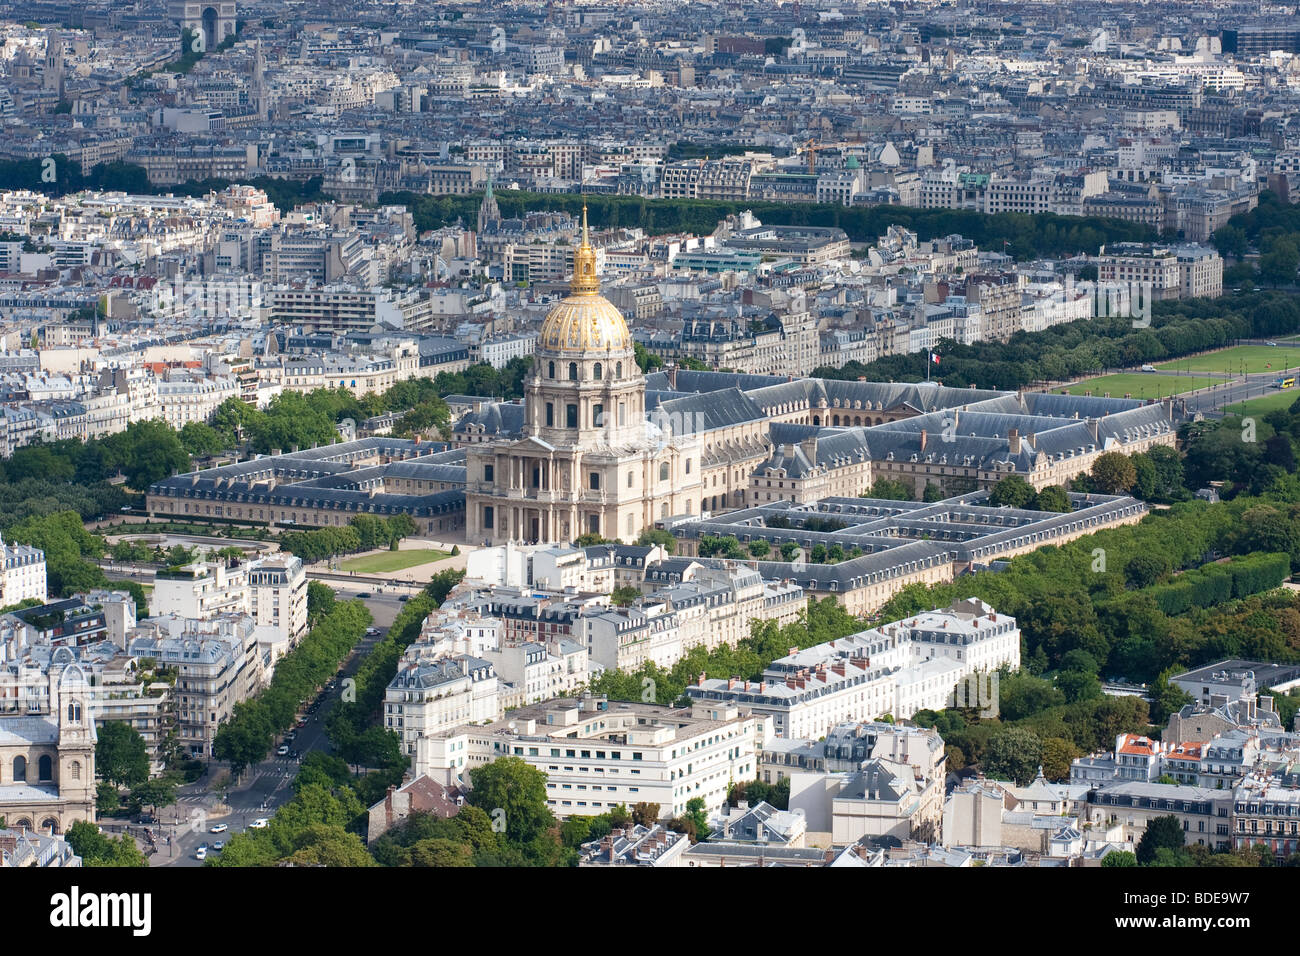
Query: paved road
1227,391
269,785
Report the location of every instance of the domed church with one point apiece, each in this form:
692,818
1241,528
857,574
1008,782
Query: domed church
589,460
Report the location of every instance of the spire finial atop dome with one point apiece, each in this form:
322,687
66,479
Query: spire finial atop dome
585,281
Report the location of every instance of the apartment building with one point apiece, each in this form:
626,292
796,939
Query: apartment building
190,398
1200,272
218,664
22,574
271,589
1266,811
431,695
1150,268
896,669
1125,809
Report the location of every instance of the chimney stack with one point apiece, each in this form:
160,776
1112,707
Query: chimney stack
923,438
1013,439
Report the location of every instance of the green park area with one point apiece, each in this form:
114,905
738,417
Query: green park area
386,561
1141,385
1283,398
1253,358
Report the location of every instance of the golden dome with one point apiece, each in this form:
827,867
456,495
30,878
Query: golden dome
585,321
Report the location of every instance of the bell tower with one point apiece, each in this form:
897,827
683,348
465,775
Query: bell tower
72,697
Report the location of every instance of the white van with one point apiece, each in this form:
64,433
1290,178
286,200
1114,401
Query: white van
1148,368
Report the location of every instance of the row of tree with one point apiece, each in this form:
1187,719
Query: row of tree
1020,235
356,726
1217,583
1064,597
361,533
1089,346
245,739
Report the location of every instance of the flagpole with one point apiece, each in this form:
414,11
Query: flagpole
929,360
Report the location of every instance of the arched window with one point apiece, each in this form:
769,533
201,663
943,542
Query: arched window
74,713
663,471
20,770
598,372
45,769
50,825
598,416
663,510
631,525
573,371
550,369
570,416
76,770
618,369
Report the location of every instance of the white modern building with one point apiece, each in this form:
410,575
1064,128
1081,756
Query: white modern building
597,755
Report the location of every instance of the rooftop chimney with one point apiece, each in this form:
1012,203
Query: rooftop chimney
923,438
1013,440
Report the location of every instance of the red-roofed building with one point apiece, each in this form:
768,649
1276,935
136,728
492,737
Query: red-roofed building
421,794
1183,761
1137,758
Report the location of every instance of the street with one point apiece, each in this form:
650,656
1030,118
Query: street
267,786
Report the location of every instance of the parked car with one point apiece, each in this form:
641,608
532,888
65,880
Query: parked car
282,751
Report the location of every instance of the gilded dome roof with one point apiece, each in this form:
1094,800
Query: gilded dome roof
585,321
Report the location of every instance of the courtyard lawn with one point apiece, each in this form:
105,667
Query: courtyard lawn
1283,398
386,561
1257,358
1141,384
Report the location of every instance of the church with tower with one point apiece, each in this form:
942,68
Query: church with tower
588,460
47,760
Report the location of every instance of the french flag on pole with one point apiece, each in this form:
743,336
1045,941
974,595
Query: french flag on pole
934,358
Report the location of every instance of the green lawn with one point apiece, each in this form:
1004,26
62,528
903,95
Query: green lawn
1257,358
393,561
1141,384
1283,398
